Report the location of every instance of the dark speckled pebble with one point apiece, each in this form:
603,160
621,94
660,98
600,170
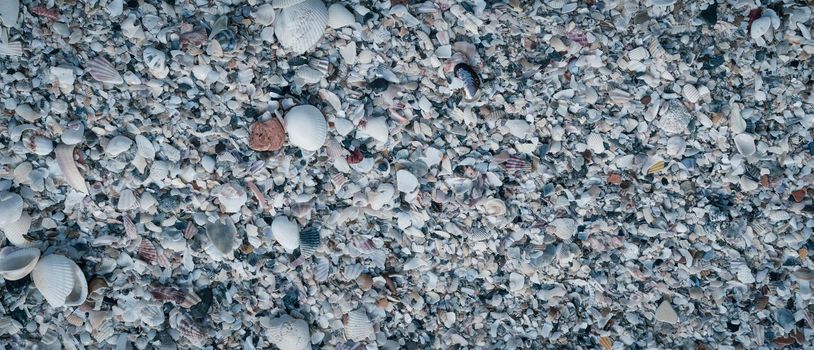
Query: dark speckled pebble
379,85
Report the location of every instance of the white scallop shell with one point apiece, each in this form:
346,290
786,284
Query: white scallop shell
60,281
760,26
102,70
300,27
231,197
306,127
17,263
279,4
638,54
596,143
745,144
15,232
286,233
358,326
676,146
376,128
73,133
9,12
11,208
691,93
288,333
564,228
156,62
339,16
118,145
127,200
480,234
352,271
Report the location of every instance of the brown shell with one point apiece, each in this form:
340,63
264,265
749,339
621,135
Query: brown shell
267,136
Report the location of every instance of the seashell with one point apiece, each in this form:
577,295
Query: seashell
64,158
470,78
653,165
180,297
376,128
563,228
16,231
480,234
222,234
606,343
666,313
655,49
148,253
358,326
299,27
118,145
691,93
11,208
14,49
322,270
760,27
595,143
323,66
73,133
353,271
264,15
676,146
309,241
156,62
267,136
17,263
288,333
226,39
50,13
231,197
745,144
306,127
152,315
306,75
60,281
675,118
492,207
188,328
9,12
144,147
406,181
127,200
39,145
76,318
103,71
281,4
286,233
339,16
638,54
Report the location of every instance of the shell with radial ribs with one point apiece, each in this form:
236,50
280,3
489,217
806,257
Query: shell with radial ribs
11,208
691,93
60,281
103,71
287,333
187,327
358,326
306,127
182,298
596,143
563,228
322,269
675,119
299,27
309,241
17,263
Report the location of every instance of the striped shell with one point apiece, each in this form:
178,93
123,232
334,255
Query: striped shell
691,93
353,271
309,241
299,27
280,4
471,80
102,70
653,165
14,48
149,253
606,343
322,269
596,143
17,263
480,234
306,127
288,333
358,326
515,163
185,299
127,200
638,54
188,328
11,208
60,281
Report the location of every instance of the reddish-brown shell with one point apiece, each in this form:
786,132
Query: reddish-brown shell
267,136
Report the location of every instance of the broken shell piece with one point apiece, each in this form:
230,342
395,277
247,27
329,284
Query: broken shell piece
563,228
666,313
675,118
310,239
376,128
745,144
11,208
65,161
118,145
470,78
280,4
299,27
691,93
156,62
17,263
653,165
60,281
286,233
39,145
288,333
358,326
231,197
222,234
492,207
406,181
9,12
73,133
760,27
306,127
339,16
103,71
596,143
264,15
16,231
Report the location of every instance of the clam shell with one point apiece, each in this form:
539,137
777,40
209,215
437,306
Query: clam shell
267,135
492,207
352,271
127,200
73,133
596,143
39,145
339,16
16,231
156,62
309,241
358,326
691,93
264,15
676,118
480,234
322,270
563,228
65,161
760,26
14,48
306,127
406,181
286,233
638,54
11,208
653,165
145,147
299,27
231,197
17,263
60,281
118,145
222,234
377,129
745,144
280,4
103,71
9,12
288,333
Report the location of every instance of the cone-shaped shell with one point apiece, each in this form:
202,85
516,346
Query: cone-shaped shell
16,231
286,233
306,127
17,263
309,241
11,208
300,27
358,326
60,281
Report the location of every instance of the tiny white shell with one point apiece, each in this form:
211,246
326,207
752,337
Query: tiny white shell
596,143
760,26
118,145
358,326
745,144
11,208
286,233
563,228
16,231
306,127
300,27
60,281
377,129
280,4
231,197
103,71
17,263
156,62
339,16
691,93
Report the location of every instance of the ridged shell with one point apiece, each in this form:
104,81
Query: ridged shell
339,16
185,299
638,54
189,329
676,118
595,142
14,49
286,233
606,343
563,228
145,147
299,27
279,4
358,326
691,93
655,48
352,271
309,241
16,231
479,234
377,129
470,78
222,235
231,196
306,127
11,208
307,75
102,70
9,12
17,263
322,65
745,144
322,269
288,333
653,165
60,281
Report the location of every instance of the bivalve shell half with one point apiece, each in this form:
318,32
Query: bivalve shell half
16,231
745,144
231,196
281,4
60,281
288,333
760,26
638,54
299,27
691,93
11,208
339,16
306,127
563,228
73,133
17,263
310,239
103,71
118,145
156,62
358,326
595,143
286,233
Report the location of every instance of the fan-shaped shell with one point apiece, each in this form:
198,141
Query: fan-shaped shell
145,147
279,4
691,93
16,231
118,145
156,62
480,234
596,143
760,26
17,263
231,197
564,228
60,281
377,129
73,133
11,208
745,144
102,70
299,27
222,235
322,269
288,333
309,241
286,233
14,48
492,207
358,326
638,54
306,127
9,12
339,16
127,200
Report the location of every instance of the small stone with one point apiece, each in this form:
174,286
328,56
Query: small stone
666,313
799,195
267,136
379,85
615,179
710,14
